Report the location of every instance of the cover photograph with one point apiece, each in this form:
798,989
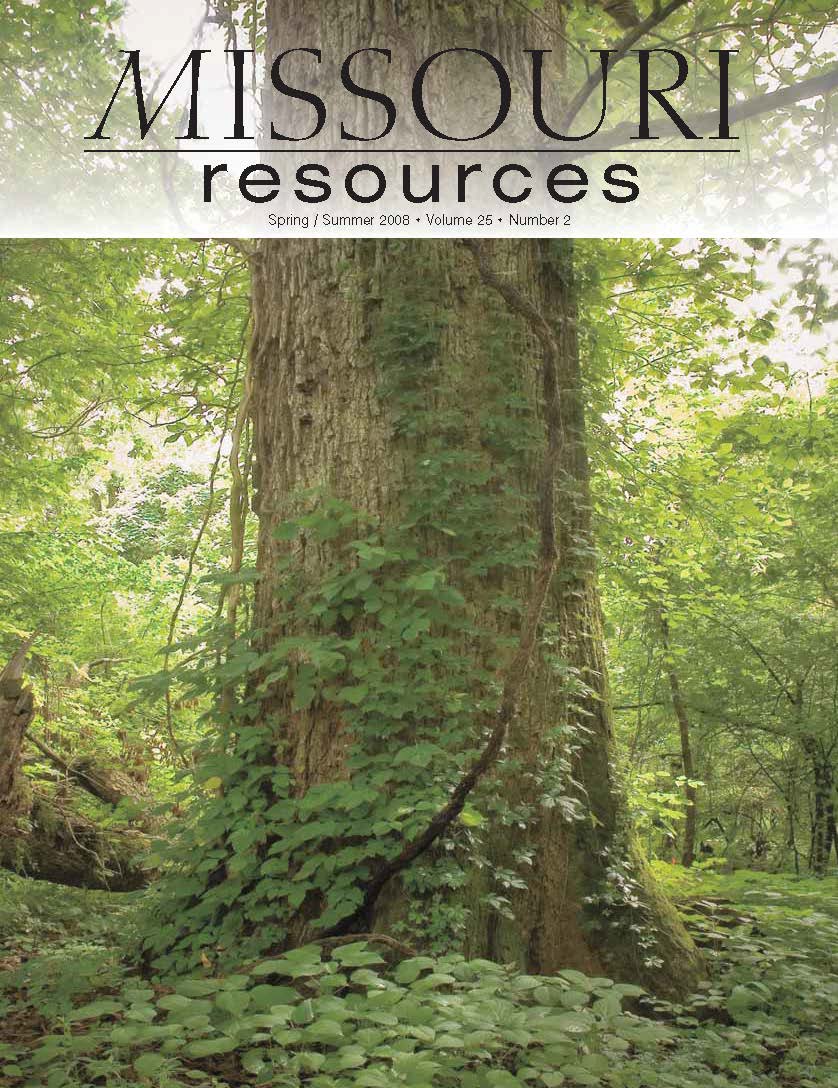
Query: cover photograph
418,588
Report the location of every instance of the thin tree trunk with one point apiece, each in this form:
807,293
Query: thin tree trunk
823,807
791,800
687,765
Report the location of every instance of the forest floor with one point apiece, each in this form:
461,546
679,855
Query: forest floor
71,1014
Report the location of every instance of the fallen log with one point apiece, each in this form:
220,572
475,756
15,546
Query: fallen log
40,839
106,784
65,848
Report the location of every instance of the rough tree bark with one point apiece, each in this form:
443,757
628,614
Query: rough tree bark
320,422
16,712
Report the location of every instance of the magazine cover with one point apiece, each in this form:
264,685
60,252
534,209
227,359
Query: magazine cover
417,544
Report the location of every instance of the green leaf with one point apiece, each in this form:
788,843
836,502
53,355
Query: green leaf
350,1057
500,1078
197,987
357,954
207,1048
324,1031
409,970
264,996
470,817
354,694
574,1022
95,1010
147,1065
233,1001
422,582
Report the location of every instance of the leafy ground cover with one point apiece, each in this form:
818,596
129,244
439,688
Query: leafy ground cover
360,1014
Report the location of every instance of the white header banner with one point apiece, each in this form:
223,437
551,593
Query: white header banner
308,120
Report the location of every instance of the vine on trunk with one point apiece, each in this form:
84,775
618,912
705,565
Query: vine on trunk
400,636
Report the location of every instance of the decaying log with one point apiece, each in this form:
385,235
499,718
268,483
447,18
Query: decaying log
106,784
37,838
16,712
68,849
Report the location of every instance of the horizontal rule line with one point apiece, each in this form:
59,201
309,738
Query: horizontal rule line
409,151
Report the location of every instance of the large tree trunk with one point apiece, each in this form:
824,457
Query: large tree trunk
322,422
331,321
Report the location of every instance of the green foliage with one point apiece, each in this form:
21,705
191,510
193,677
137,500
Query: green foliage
339,1016
344,1019
716,510
653,805
59,945
715,497
383,645
120,366
36,914
770,1013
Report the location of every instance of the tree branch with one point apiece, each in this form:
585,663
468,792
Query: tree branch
11,678
740,111
772,672
621,50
